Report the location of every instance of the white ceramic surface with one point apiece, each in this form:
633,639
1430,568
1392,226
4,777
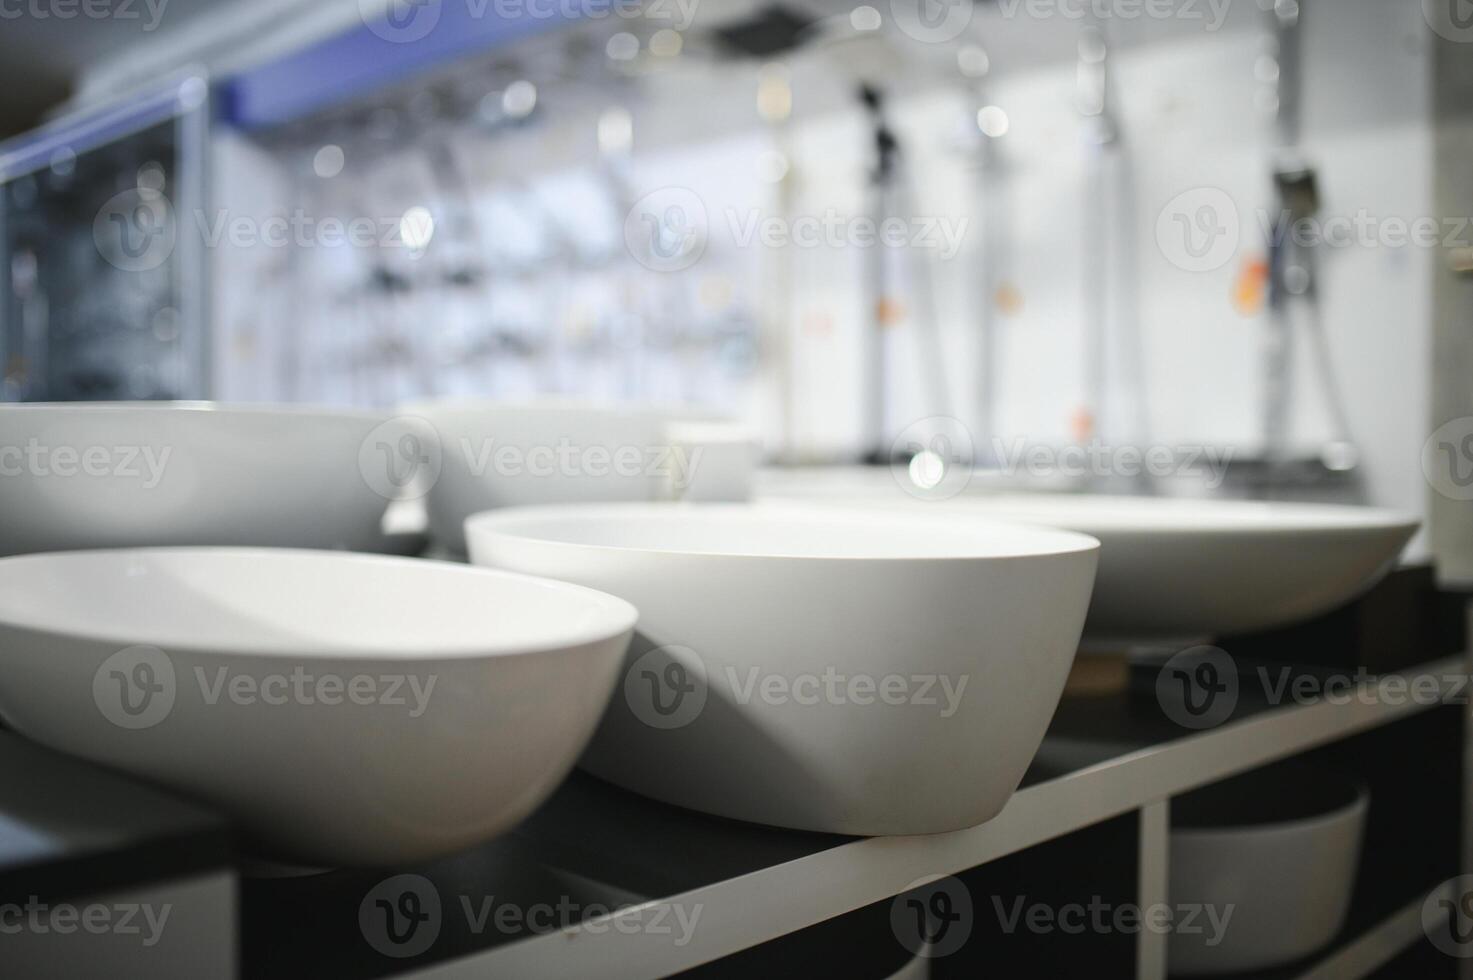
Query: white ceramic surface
876,674
157,473
1176,567
1186,567
439,704
1275,857
498,455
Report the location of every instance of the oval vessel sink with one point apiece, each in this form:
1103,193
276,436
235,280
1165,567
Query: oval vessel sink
344,709
139,474
880,674
1170,567
496,454
1181,567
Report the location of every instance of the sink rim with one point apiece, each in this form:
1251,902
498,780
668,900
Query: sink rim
1182,515
618,615
529,523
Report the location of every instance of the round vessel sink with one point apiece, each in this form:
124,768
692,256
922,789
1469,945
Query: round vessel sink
494,454
870,674
344,709
137,474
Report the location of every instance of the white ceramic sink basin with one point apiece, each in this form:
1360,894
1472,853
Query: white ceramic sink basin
1178,567
1280,848
873,674
158,473
494,454
1182,567
344,709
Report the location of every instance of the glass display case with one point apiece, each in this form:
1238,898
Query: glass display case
101,295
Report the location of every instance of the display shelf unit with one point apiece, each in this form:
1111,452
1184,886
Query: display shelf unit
594,847
1377,946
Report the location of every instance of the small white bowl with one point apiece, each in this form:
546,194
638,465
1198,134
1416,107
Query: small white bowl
437,704
139,474
496,454
880,674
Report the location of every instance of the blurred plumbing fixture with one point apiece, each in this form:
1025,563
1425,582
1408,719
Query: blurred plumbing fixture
891,199
1109,288
990,209
775,106
1293,268
853,43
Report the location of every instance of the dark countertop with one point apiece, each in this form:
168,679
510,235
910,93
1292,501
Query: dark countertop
72,829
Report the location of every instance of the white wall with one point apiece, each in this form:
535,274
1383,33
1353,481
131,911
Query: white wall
1189,120
1187,106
